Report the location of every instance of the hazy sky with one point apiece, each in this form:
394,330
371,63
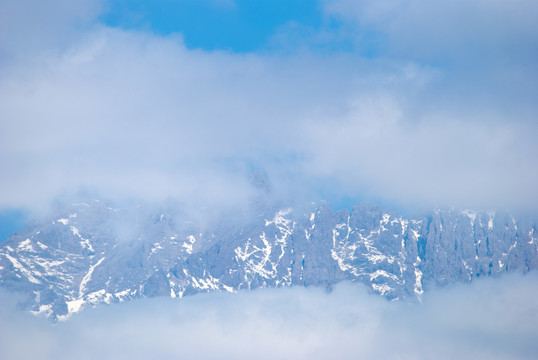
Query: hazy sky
408,103
489,319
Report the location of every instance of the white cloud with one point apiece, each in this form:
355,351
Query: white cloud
491,318
130,114
446,161
446,30
31,26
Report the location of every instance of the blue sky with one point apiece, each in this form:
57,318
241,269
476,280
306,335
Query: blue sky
409,104
239,26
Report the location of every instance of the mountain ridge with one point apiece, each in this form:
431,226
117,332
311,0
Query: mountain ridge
90,253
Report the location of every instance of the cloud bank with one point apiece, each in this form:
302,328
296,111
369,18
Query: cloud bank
489,319
436,108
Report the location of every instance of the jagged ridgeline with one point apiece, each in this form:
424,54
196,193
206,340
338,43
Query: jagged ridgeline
91,253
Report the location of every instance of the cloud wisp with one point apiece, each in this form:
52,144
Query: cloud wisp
491,318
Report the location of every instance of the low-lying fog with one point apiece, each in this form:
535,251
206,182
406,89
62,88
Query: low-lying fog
489,319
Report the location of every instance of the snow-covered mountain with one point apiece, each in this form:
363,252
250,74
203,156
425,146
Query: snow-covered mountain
91,253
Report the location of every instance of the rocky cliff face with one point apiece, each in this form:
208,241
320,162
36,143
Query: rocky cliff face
91,253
